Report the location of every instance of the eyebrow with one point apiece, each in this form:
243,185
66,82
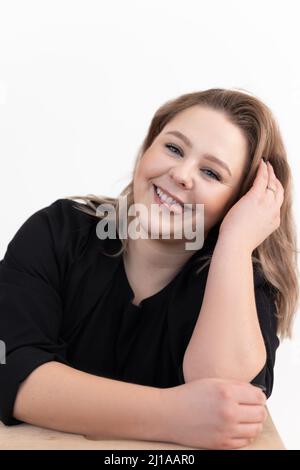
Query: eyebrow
207,156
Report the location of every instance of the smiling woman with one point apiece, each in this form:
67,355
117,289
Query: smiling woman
254,133
186,337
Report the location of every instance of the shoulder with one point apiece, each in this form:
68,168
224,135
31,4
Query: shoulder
59,220
67,213
49,241
58,216
52,230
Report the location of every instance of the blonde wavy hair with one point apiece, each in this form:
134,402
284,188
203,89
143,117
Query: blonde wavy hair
276,257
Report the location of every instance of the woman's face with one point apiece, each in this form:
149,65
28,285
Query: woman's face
186,171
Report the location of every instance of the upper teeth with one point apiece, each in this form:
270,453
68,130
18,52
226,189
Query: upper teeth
165,198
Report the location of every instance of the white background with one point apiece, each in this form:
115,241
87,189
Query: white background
81,80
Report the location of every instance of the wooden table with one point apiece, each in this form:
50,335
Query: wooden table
28,437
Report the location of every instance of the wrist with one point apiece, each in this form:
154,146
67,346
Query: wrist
155,416
166,412
231,243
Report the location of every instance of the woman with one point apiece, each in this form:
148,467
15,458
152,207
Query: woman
137,337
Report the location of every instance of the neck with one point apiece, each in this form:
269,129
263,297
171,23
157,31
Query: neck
159,256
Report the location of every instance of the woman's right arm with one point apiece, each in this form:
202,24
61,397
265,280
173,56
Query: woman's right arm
205,413
59,397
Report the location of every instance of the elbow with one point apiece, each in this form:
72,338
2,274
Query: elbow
195,369
243,368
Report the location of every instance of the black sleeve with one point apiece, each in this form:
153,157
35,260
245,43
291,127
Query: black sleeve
265,295
30,301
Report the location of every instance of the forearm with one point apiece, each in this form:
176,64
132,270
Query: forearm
227,340
59,397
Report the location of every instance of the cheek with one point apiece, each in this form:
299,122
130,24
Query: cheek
143,175
211,195
216,202
152,164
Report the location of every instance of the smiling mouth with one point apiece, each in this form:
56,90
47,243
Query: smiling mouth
171,204
161,199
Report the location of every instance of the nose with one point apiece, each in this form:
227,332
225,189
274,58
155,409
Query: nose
182,176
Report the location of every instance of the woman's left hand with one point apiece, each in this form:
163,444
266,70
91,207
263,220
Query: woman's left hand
256,214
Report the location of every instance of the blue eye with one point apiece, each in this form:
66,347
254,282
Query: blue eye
214,174
170,146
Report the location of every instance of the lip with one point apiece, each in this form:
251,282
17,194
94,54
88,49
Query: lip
169,194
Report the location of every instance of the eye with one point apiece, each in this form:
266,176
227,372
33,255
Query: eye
170,146
215,176
180,152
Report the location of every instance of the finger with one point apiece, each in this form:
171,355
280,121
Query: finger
247,394
273,182
237,443
278,185
252,414
272,185
262,177
247,431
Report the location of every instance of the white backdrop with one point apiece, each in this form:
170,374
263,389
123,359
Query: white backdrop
80,81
